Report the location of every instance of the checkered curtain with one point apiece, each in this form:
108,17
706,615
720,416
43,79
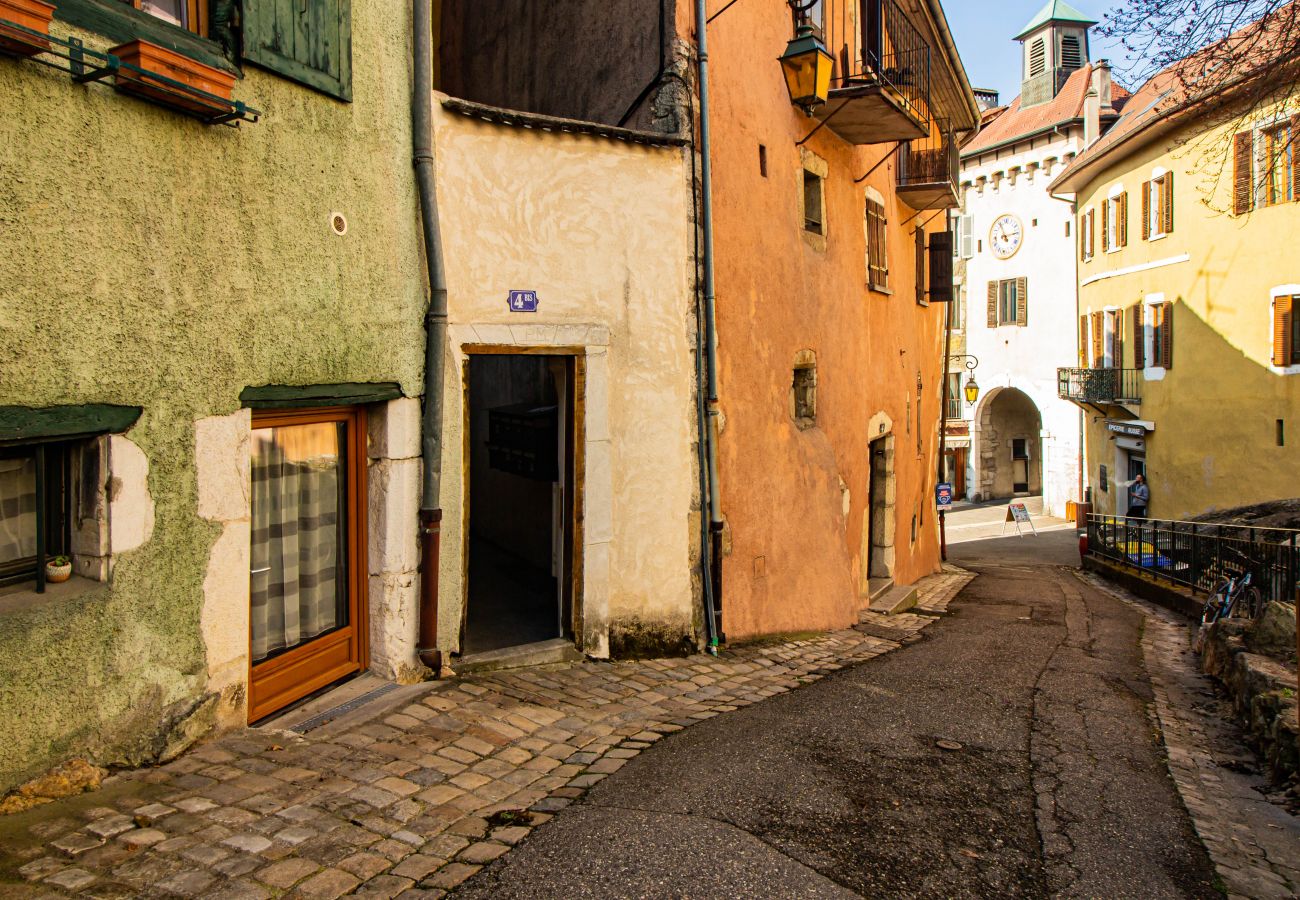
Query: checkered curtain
295,573
17,509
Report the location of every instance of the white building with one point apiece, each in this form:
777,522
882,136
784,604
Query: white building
1019,249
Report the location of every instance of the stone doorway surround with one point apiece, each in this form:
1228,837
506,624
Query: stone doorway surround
589,343
880,519
991,447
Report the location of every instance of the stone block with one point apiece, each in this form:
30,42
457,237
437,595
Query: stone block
394,431
597,398
131,512
598,506
394,622
222,451
394,507
224,617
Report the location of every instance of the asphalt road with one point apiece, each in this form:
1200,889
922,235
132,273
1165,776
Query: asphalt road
840,789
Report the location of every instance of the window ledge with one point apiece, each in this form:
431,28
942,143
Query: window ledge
19,598
883,291
1159,237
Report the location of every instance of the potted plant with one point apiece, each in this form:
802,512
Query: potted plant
58,569
34,15
156,63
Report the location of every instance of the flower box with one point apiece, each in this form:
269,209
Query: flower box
34,15
153,60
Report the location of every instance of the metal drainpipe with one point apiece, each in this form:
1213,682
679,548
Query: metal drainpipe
709,429
435,323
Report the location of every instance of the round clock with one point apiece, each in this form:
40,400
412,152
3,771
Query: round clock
1006,236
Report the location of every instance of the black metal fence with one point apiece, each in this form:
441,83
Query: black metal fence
1100,385
931,160
1198,555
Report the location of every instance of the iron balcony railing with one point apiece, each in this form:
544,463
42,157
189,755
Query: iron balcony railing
873,42
1197,555
930,160
1100,385
954,408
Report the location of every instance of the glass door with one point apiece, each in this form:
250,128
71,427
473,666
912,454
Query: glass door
306,578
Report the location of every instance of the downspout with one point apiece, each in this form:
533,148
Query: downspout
435,323
709,429
943,424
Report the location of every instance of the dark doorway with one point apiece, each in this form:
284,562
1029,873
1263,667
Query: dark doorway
880,562
521,501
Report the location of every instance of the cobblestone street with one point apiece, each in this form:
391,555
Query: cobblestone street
414,801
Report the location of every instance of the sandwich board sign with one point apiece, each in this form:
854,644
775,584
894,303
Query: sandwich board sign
943,496
1019,513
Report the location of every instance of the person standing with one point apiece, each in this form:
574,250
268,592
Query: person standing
1139,495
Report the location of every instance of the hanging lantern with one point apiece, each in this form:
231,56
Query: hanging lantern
807,67
972,391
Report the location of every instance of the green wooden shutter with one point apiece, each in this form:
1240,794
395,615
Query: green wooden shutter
308,41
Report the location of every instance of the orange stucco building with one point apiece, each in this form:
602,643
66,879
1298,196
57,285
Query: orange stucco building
814,527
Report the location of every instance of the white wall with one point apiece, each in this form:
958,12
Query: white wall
1014,180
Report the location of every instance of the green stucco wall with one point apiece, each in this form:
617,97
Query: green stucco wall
147,259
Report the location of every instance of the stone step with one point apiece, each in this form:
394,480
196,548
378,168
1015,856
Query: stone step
896,598
559,650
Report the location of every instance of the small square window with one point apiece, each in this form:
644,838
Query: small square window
805,395
813,219
192,15
34,504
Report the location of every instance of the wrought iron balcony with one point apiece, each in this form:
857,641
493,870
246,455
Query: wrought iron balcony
880,87
1097,386
928,170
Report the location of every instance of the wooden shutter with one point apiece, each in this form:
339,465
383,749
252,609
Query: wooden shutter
1121,224
1139,338
993,304
1243,173
877,261
1295,157
1098,339
1167,202
308,41
1083,238
1167,335
1022,302
920,268
1083,341
1146,209
1117,339
1105,225
1282,325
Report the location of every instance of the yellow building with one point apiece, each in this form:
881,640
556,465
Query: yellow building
1188,222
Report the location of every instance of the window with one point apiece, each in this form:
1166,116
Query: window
34,508
805,394
762,160
191,15
1071,52
1008,302
1114,357
1286,336
877,252
954,395
815,15
1114,223
1037,57
1088,235
1264,166
1020,448
812,203
1158,207
1279,168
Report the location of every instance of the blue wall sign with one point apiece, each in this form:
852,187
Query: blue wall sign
523,301
943,495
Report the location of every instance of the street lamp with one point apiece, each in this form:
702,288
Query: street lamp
972,390
807,68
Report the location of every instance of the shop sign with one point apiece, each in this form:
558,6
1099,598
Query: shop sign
1130,430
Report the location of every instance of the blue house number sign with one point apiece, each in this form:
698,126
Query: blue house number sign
523,301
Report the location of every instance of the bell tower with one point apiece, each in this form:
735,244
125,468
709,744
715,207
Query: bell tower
1054,44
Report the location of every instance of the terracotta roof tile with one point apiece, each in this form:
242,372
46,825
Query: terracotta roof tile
1066,106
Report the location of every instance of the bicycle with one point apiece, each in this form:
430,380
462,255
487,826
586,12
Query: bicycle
1233,598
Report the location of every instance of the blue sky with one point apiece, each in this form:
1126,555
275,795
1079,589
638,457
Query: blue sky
985,42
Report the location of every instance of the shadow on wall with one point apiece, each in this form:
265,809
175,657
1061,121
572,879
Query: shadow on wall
1227,427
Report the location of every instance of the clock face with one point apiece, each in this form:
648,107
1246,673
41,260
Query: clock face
1006,236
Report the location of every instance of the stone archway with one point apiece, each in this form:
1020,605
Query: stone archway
1009,446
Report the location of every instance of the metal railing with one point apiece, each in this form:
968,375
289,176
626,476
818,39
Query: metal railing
1100,385
954,407
1198,555
930,160
873,42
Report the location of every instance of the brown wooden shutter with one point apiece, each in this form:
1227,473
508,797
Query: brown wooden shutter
920,267
1105,225
1146,209
1117,340
1295,157
1022,302
1167,193
1083,238
1098,339
1282,325
993,304
1139,338
1083,341
1243,173
1092,233
1167,336
1121,226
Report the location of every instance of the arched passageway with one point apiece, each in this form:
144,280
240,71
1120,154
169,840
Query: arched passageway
1009,446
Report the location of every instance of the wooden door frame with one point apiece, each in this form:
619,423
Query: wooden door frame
295,673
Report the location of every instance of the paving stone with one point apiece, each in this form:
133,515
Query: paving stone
446,845
188,884
450,876
417,866
249,843
195,804
77,843
143,837
328,884
482,853
110,826
365,865
295,834
238,889
71,879
287,872
40,868
239,864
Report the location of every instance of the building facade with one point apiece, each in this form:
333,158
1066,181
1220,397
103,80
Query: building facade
1189,358
1019,286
